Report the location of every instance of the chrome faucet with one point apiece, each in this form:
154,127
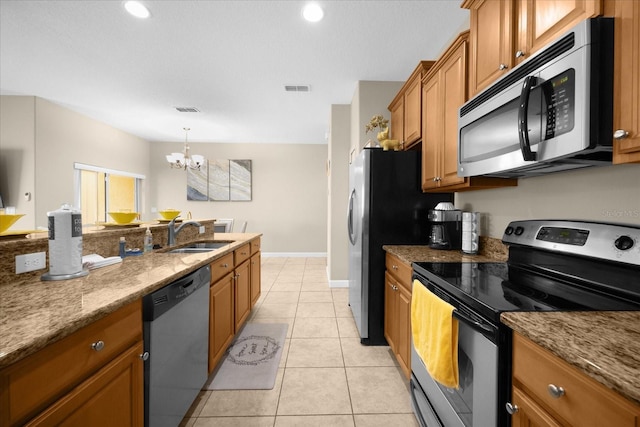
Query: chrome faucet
173,230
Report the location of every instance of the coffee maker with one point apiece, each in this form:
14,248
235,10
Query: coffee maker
446,227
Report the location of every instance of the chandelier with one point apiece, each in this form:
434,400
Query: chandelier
184,160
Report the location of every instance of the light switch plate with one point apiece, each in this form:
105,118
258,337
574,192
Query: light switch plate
31,262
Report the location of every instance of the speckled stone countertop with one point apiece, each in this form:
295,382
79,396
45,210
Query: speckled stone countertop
605,345
492,250
35,313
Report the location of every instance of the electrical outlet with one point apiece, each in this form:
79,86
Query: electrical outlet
30,262
201,229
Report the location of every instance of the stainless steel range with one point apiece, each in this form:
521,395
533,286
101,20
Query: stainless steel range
553,265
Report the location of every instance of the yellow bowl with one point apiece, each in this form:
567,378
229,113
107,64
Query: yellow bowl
169,213
123,217
7,221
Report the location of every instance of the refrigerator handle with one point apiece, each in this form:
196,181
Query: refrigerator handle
350,218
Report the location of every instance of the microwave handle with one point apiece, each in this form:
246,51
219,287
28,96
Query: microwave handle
523,125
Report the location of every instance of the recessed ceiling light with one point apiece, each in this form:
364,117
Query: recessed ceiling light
137,9
312,12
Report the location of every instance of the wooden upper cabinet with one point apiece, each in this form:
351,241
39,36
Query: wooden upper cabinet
545,20
626,80
406,109
505,33
444,90
491,45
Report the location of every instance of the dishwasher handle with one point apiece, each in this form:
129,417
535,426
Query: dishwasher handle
159,302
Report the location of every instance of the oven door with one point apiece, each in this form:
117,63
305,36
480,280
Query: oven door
475,403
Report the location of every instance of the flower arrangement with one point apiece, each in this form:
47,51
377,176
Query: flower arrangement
376,122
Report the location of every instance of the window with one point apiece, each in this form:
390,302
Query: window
99,190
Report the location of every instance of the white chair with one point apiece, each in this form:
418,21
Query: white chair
223,225
244,227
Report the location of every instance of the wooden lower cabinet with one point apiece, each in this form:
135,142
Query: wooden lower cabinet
242,294
397,312
255,278
111,397
221,318
547,391
94,374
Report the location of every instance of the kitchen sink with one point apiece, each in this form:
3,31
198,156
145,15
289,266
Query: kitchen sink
200,247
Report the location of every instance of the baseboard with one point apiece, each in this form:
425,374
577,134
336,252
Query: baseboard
293,254
338,283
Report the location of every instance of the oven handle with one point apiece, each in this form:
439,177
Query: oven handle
523,125
473,323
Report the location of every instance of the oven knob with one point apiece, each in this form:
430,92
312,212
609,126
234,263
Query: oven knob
624,242
519,230
509,231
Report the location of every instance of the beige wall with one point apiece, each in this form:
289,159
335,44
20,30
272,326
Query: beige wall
17,148
605,194
48,139
289,192
337,240
369,99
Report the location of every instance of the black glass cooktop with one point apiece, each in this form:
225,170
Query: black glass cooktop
492,288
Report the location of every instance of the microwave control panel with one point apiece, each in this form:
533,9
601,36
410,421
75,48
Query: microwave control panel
559,97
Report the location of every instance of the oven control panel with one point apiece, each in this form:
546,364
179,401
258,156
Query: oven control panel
611,242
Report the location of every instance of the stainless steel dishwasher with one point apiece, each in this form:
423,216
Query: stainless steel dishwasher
176,337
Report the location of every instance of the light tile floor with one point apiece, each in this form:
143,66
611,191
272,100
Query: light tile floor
326,377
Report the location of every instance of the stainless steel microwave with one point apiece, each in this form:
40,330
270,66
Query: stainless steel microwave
552,112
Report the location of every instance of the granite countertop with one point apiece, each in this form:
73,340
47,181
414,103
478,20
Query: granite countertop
36,313
603,345
417,253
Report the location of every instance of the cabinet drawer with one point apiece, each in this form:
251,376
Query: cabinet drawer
255,246
400,270
30,385
585,402
242,254
220,267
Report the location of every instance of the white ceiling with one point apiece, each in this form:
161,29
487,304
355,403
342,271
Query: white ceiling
229,59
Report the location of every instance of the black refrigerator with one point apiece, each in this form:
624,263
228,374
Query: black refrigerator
386,207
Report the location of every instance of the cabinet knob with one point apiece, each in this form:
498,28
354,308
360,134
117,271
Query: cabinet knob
144,356
225,265
620,134
511,408
555,391
519,54
98,345
502,67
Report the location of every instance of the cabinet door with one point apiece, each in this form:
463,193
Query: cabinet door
491,42
397,120
453,81
626,79
390,314
403,338
547,19
431,131
221,318
412,112
255,278
242,294
114,396
528,413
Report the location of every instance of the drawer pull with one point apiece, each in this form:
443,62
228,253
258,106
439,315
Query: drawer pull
511,408
98,345
225,265
555,391
144,356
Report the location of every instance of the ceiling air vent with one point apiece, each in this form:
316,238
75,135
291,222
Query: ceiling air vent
300,88
187,109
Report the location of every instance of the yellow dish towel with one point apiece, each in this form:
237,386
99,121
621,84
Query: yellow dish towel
435,335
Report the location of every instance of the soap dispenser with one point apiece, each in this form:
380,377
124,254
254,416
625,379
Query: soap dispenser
148,241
